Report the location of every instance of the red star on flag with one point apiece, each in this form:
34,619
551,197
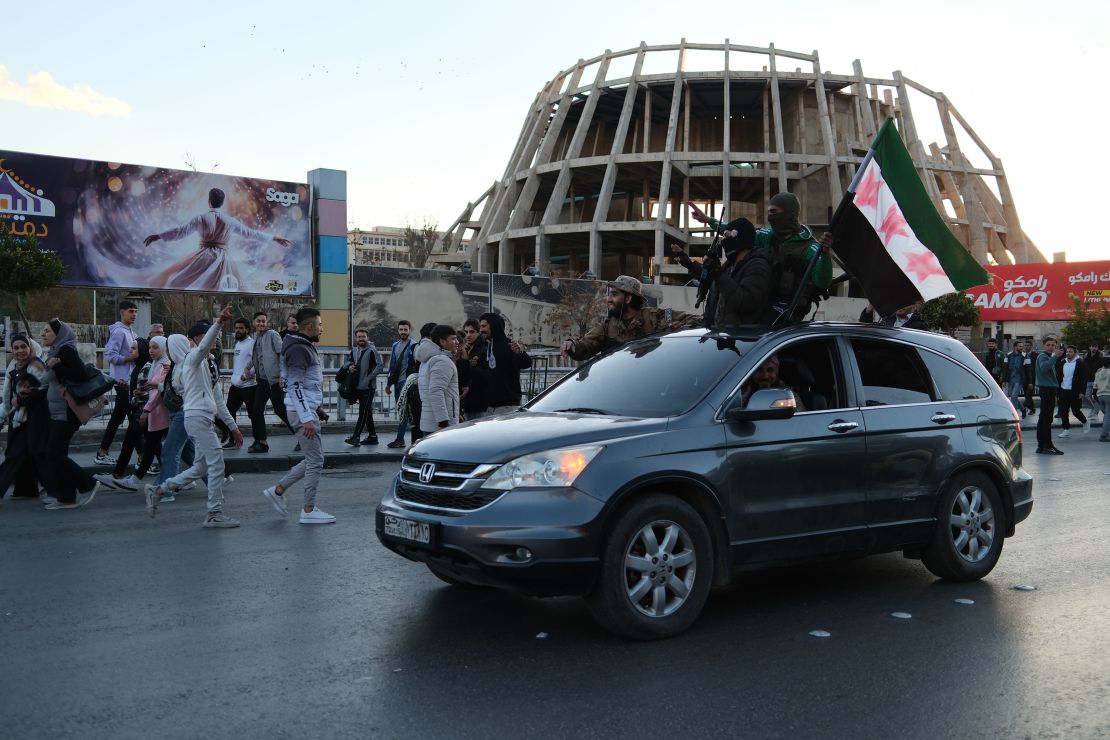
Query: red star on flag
894,224
923,265
867,192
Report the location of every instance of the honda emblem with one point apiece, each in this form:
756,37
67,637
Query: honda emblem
427,472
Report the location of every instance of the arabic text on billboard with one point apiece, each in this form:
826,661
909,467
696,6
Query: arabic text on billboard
131,226
1041,291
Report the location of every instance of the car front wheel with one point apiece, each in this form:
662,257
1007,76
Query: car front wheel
970,529
656,570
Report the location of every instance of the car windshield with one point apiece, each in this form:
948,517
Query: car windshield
652,378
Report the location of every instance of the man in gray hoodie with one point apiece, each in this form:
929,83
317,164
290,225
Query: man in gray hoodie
203,403
120,353
304,395
439,379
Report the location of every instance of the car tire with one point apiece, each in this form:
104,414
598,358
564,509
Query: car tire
447,578
656,570
971,527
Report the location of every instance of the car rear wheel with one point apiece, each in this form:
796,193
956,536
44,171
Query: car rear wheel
656,570
970,529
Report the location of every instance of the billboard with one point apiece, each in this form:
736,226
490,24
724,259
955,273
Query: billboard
132,226
538,311
1040,292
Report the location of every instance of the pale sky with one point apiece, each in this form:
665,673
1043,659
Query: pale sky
421,102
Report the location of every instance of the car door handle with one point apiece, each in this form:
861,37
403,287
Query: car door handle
939,418
843,426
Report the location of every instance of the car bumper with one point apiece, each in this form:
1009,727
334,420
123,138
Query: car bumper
557,527
1021,493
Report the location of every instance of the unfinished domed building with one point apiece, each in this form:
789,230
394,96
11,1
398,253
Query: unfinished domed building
614,148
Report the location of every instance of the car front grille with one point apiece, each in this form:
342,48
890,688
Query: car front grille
441,499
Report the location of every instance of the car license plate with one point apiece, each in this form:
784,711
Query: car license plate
406,529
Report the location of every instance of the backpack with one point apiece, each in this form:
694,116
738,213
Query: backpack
346,384
171,399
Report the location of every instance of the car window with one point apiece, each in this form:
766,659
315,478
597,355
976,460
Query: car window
954,382
891,373
656,377
808,368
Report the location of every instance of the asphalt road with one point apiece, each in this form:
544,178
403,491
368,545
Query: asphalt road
115,626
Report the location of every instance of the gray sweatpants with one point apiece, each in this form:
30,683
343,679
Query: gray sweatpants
208,460
310,467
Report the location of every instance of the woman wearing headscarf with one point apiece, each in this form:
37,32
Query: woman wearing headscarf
28,370
137,436
64,479
177,347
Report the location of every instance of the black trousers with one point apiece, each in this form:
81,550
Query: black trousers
132,440
1069,401
365,413
272,392
19,466
1029,399
62,477
1044,419
119,413
151,449
237,398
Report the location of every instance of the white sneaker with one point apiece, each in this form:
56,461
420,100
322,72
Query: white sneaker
316,517
84,499
187,487
108,480
104,459
47,499
1064,434
278,501
131,483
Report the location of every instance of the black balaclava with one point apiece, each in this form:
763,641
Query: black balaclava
786,223
744,239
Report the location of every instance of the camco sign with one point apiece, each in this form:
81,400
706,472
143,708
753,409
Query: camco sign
1040,292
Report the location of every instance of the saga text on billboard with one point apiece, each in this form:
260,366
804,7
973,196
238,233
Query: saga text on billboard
133,226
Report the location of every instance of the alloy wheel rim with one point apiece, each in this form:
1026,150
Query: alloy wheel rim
659,568
971,523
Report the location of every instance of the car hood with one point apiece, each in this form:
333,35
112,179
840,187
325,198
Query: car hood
502,438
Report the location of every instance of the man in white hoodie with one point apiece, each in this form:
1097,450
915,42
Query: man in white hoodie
198,383
304,397
439,379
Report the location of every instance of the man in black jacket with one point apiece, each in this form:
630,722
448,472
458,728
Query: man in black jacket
505,359
994,361
1073,383
363,364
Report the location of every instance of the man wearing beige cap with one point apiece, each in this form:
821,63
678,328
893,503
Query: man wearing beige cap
628,319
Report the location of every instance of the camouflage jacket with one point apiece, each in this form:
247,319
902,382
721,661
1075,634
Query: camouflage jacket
613,332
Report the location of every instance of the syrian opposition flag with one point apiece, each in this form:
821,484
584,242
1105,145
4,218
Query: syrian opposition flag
891,238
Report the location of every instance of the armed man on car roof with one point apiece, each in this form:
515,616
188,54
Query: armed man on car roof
628,319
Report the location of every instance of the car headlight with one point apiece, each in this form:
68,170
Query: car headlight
550,469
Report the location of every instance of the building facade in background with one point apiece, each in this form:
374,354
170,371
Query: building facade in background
615,148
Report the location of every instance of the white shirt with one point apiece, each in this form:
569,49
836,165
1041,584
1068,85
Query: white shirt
1069,374
243,351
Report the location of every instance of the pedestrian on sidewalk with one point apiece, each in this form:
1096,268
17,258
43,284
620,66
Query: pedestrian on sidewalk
64,479
244,386
1092,361
176,446
401,366
136,437
439,380
1045,375
1073,381
203,404
18,466
265,368
120,352
304,383
473,354
505,358
1101,395
363,363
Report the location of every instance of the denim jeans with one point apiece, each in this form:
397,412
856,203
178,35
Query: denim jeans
172,447
1104,401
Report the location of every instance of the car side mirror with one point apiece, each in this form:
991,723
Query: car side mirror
769,403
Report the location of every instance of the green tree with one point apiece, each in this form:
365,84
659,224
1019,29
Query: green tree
1086,326
26,268
420,240
950,312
